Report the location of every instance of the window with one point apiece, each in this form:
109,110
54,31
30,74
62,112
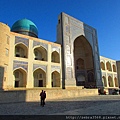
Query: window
59,21
40,75
16,74
8,39
7,52
4,78
5,67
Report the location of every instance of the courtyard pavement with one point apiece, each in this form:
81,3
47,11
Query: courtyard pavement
92,105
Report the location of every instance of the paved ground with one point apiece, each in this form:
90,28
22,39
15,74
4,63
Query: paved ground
94,105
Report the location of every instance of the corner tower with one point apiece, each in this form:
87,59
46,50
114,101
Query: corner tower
80,53
4,53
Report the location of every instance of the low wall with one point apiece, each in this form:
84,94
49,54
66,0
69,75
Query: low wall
33,94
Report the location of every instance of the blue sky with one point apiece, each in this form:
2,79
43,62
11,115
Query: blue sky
103,15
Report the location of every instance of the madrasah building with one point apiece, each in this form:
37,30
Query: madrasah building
27,61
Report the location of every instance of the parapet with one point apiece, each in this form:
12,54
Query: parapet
4,27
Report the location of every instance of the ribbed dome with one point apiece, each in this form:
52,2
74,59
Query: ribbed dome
26,27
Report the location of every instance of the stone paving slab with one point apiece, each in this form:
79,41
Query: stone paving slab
92,105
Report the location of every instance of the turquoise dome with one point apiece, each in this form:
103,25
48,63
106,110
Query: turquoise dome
26,27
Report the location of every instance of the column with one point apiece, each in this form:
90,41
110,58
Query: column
107,80
113,80
48,74
30,78
105,65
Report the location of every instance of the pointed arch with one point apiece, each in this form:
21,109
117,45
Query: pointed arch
21,69
90,76
104,81
83,61
39,78
55,79
116,82
21,50
114,68
102,65
55,57
108,65
110,82
40,53
80,64
20,77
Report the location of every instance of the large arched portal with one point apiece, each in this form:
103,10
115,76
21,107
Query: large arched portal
83,61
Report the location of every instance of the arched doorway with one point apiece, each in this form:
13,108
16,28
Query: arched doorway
20,78
83,61
55,79
39,78
110,82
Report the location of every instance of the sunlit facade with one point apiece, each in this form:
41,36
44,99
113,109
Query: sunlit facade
109,72
27,61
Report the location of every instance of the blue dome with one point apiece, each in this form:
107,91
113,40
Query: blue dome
25,26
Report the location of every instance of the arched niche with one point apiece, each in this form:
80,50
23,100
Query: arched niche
55,79
55,57
20,77
83,61
21,50
108,65
39,78
102,65
40,53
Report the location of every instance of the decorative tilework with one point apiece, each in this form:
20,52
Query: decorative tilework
54,48
18,64
114,63
35,43
115,75
67,28
103,73
88,28
108,74
76,23
22,40
36,66
55,68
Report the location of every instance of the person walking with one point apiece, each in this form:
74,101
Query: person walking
42,98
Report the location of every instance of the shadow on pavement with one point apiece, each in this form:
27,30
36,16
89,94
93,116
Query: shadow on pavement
50,108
